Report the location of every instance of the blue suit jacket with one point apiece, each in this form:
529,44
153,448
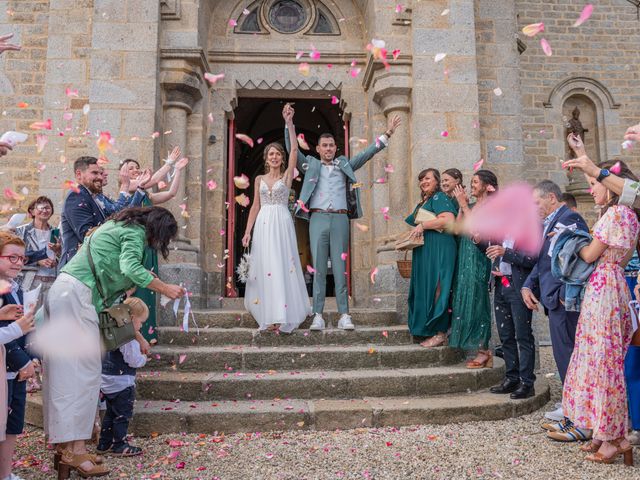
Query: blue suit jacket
80,214
17,356
547,288
347,166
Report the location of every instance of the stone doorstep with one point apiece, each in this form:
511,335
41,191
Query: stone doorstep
315,384
323,357
386,335
252,416
235,318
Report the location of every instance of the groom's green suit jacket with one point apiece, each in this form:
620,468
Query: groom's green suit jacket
348,167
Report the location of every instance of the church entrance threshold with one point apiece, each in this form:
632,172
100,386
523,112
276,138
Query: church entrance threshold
261,119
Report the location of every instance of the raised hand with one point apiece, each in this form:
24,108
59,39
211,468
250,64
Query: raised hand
584,164
182,163
461,195
174,155
287,113
143,178
4,45
393,123
26,323
576,144
633,133
124,179
4,148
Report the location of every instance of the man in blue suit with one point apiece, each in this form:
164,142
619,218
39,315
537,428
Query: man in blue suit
328,200
81,211
542,287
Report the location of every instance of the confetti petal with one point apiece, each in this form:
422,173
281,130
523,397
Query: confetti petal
182,358
533,29
616,168
497,91
104,142
439,57
315,54
399,8
212,185
373,274
241,182
233,23
302,206
546,48
23,105
46,125
71,92
302,143
41,141
396,53
310,269
584,16
361,227
335,100
243,200
304,69
444,133
389,168
501,148
213,79
11,195
245,138
478,165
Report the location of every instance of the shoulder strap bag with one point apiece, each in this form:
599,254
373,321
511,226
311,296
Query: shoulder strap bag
116,327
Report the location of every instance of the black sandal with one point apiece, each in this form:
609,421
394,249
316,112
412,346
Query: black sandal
126,451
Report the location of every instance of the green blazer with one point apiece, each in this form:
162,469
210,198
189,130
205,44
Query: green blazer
348,167
117,251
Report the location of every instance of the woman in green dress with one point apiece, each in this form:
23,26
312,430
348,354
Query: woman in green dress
432,264
450,179
471,306
150,258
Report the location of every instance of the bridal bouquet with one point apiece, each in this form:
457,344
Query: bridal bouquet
243,267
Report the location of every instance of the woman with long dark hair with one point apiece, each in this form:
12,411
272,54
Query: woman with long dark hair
471,321
70,339
594,394
450,179
432,264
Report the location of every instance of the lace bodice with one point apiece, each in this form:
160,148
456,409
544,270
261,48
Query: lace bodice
278,195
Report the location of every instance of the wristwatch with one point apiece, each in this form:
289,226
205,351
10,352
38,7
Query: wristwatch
604,173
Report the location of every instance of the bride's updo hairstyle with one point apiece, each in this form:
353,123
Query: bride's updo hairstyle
279,148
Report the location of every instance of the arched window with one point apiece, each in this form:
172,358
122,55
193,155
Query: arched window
250,23
287,16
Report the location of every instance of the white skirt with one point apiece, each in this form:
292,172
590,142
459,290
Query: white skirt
276,293
71,348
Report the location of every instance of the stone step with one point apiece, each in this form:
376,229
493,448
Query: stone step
240,318
197,386
387,335
332,357
158,417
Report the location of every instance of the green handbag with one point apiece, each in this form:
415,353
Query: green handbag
116,326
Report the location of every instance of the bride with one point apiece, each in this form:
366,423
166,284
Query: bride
275,293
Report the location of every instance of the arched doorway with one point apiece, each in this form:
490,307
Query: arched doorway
261,119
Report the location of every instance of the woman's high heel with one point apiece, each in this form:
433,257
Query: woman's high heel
627,454
438,340
590,447
487,363
57,455
71,461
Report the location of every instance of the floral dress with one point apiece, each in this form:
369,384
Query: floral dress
594,394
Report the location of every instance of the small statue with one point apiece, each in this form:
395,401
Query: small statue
575,126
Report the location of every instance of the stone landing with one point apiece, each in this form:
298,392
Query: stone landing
227,377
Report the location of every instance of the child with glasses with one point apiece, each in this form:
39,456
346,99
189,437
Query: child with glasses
20,364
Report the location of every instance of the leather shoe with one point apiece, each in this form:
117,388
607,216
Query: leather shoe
507,386
523,391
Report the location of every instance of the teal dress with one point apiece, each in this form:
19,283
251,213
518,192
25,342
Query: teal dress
471,305
432,265
150,262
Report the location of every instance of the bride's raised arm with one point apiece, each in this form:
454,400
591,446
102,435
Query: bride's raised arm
293,154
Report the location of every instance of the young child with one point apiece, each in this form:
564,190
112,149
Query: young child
119,388
20,365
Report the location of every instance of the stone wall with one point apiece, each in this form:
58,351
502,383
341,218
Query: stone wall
603,49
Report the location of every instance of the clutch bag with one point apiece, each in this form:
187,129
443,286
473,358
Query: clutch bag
424,216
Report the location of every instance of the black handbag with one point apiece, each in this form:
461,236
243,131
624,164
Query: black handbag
116,326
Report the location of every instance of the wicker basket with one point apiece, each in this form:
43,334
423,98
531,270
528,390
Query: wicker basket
404,266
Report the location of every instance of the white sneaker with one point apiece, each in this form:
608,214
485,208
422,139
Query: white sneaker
345,322
318,322
556,415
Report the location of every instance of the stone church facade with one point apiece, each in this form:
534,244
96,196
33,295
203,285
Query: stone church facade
139,67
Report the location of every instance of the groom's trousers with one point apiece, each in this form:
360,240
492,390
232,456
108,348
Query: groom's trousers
329,235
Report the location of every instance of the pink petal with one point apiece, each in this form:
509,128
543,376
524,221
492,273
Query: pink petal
314,55
210,117
546,48
362,228
505,282
478,165
444,134
304,69
245,138
310,269
259,141
70,92
211,184
241,182
344,256
396,53
302,143
212,79
335,100
373,274
41,141
182,358
299,55
233,23
584,16
354,72
399,8
616,168
384,209
69,185
389,169
46,125
67,116
302,206
243,200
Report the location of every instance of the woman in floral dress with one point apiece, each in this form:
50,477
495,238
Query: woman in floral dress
594,395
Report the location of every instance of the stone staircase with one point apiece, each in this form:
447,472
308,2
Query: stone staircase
227,377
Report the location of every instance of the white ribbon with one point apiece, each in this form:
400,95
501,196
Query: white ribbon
634,307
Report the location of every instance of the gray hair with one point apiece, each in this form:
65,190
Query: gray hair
547,186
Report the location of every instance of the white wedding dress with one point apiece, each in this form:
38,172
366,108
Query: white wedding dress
275,292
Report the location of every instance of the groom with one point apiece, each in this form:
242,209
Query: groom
328,200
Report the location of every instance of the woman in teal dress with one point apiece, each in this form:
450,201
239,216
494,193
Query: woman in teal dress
450,179
432,264
471,306
150,257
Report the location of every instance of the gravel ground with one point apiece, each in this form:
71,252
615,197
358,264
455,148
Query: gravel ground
510,449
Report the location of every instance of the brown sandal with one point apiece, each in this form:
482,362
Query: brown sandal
487,363
97,459
627,454
71,461
590,447
438,340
